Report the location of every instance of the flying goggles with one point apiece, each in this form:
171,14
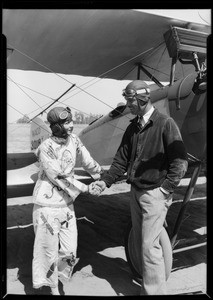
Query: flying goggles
65,113
141,94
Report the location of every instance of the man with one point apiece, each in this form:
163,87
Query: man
153,155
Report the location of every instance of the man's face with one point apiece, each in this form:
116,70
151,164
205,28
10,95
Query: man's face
132,104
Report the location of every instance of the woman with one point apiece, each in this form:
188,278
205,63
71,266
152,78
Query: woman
54,220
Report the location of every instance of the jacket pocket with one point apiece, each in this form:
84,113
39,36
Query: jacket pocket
150,170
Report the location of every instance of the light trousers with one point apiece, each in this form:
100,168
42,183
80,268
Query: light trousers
148,213
55,245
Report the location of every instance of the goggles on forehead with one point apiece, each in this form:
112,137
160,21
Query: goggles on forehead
65,113
130,93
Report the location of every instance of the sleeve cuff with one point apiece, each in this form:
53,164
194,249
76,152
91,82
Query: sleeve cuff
164,191
107,179
168,186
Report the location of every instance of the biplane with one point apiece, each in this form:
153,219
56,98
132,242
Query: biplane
168,51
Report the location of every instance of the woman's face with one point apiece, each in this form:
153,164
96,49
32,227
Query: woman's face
68,125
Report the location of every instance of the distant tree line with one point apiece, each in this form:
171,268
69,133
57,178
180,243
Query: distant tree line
79,118
24,119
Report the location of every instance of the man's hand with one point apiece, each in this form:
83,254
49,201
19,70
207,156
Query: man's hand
94,189
100,184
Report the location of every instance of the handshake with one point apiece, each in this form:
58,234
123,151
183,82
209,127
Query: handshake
96,188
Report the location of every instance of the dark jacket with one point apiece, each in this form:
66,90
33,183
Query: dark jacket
152,156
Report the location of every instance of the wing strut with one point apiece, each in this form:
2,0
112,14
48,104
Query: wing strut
172,77
172,73
141,67
186,200
52,103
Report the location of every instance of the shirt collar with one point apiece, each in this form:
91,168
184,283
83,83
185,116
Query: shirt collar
58,140
148,114
154,115
145,118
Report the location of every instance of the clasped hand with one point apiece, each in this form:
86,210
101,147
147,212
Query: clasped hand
97,187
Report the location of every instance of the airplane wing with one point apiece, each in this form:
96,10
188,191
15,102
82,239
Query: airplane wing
20,160
99,43
21,182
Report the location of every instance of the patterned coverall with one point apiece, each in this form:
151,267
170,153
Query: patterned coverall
54,220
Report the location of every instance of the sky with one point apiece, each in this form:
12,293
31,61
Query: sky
29,92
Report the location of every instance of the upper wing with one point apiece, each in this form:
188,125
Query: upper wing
98,43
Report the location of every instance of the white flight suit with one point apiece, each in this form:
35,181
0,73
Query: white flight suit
54,218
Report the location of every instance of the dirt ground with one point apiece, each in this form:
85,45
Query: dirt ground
102,269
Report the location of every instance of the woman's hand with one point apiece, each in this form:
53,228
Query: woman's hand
94,189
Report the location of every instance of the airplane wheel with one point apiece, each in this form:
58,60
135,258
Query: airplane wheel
166,247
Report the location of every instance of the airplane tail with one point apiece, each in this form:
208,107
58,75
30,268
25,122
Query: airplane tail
39,132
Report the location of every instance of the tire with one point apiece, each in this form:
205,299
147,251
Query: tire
166,248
